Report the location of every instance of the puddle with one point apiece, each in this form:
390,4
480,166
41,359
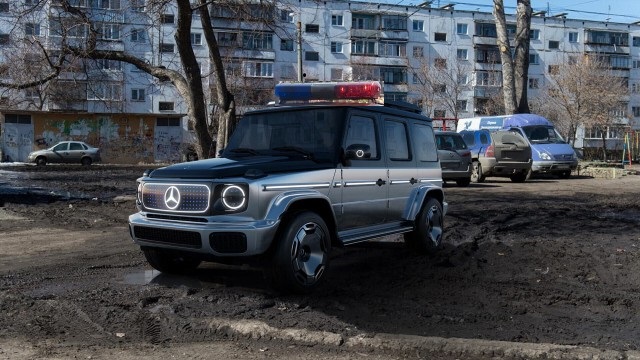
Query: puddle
632,216
147,277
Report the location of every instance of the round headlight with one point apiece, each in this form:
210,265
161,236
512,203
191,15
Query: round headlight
545,156
233,197
139,193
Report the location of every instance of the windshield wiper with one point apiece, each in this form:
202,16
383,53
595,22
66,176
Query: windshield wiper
245,151
306,154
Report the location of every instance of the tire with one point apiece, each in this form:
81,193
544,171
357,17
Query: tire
301,256
463,182
86,161
477,176
169,262
565,174
519,177
427,235
41,161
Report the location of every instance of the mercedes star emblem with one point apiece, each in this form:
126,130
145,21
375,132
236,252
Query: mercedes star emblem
172,197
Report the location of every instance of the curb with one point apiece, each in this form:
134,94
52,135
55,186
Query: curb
454,347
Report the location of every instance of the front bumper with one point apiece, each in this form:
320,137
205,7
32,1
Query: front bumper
552,166
223,239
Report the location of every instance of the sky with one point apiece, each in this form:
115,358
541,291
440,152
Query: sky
623,11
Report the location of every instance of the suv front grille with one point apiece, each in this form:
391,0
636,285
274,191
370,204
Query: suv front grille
228,243
176,198
189,239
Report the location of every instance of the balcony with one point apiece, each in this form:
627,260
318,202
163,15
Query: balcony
365,33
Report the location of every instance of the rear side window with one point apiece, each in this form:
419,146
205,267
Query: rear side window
469,138
75,146
396,140
362,131
484,139
424,143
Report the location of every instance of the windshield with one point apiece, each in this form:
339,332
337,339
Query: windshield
307,133
540,134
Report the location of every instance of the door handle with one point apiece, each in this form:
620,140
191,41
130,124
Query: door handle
380,182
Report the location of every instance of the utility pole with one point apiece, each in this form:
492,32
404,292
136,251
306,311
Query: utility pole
299,28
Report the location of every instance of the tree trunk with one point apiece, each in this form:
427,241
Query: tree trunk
505,57
226,106
195,97
521,67
604,143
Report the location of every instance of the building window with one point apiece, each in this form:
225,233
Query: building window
32,29
32,93
534,34
636,41
258,69
440,63
167,121
636,111
534,59
337,20
257,41
439,113
488,78
4,39
167,18
166,48
360,21
108,4
17,119
164,106
534,83
137,5
440,88
418,51
394,22
572,60
336,47
4,7
635,88
336,74
196,39
312,56
415,79
104,64
109,31
286,44
312,28
461,105
137,95
463,80
462,54
138,35
393,75
554,44
554,69
418,25
440,36
636,64
286,16
231,39
573,37
104,91
363,47
462,29
393,49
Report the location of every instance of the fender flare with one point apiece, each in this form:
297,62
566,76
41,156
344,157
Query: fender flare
417,198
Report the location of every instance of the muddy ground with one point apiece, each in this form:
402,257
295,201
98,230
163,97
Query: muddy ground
548,261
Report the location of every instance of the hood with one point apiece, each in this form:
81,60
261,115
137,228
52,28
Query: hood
558,151
251,167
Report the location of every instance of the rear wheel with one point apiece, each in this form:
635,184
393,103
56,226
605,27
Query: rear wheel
301,256
41,161
169,262
427,234
476,172
86,161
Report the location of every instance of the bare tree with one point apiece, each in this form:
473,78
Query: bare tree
586,92
515,72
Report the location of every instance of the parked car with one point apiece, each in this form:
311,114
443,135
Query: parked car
67,152
294,181
498,153
455,157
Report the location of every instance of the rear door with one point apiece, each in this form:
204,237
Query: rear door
76,150
510,146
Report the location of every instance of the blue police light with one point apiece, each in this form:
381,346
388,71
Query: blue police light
368,90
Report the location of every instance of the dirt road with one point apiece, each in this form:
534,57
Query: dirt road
545,262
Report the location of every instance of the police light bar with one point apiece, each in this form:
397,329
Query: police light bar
335,91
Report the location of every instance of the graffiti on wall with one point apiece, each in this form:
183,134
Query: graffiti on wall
18,141
167,142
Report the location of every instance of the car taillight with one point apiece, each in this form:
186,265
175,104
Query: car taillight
490,151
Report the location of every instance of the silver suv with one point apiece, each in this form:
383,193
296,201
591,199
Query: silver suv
295,181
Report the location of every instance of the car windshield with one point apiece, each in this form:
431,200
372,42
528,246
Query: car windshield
450,142
540,134
304,133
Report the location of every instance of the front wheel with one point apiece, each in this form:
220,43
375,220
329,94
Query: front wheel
565,174
427,235
301,256
41,161
169,262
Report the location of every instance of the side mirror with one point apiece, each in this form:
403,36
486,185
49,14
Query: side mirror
358,152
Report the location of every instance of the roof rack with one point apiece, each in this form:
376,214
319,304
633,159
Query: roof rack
403,105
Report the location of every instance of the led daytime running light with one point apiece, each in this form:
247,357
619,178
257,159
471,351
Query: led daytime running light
226,202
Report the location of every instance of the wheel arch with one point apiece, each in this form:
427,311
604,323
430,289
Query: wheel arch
419,197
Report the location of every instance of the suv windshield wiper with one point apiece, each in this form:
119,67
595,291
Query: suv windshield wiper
306,154
245,151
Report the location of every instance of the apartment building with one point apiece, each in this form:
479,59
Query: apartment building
444,59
